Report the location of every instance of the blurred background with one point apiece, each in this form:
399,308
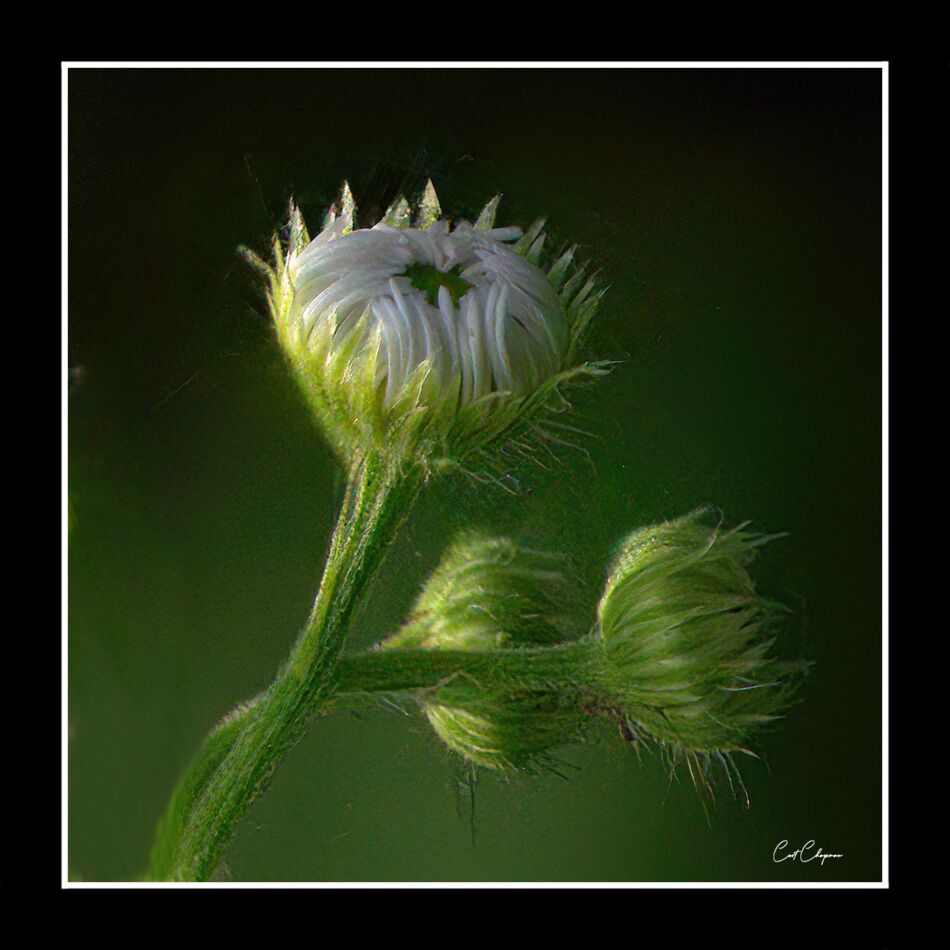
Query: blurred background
737,217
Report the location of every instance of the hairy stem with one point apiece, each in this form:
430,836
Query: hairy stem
239,760
361,676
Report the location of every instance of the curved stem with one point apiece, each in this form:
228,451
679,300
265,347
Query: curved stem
240,765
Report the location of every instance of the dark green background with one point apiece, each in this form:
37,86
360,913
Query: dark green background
737,217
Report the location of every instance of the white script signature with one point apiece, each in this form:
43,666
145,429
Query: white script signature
807,853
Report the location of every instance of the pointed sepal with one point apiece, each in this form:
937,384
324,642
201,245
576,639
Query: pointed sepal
429,208
560,267
533,253
347,208
524,246
299,238
486,219
398,214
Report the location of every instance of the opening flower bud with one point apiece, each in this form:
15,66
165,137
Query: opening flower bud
488,594
426,338
688,640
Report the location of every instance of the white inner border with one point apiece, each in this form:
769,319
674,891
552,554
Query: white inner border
882,66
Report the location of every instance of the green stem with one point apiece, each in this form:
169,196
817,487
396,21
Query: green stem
362,675
240,766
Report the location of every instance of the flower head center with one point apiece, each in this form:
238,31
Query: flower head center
429,279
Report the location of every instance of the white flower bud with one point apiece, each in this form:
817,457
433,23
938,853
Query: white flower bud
429,340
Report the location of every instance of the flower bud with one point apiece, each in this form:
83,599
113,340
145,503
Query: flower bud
687,638
424,338
489,594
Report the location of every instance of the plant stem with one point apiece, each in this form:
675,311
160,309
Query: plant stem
377,500
361,675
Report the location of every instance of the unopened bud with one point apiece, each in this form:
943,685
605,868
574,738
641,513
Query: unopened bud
489,594
688,640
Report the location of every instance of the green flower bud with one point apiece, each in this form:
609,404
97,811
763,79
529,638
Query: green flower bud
687,638
488,594
423,339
